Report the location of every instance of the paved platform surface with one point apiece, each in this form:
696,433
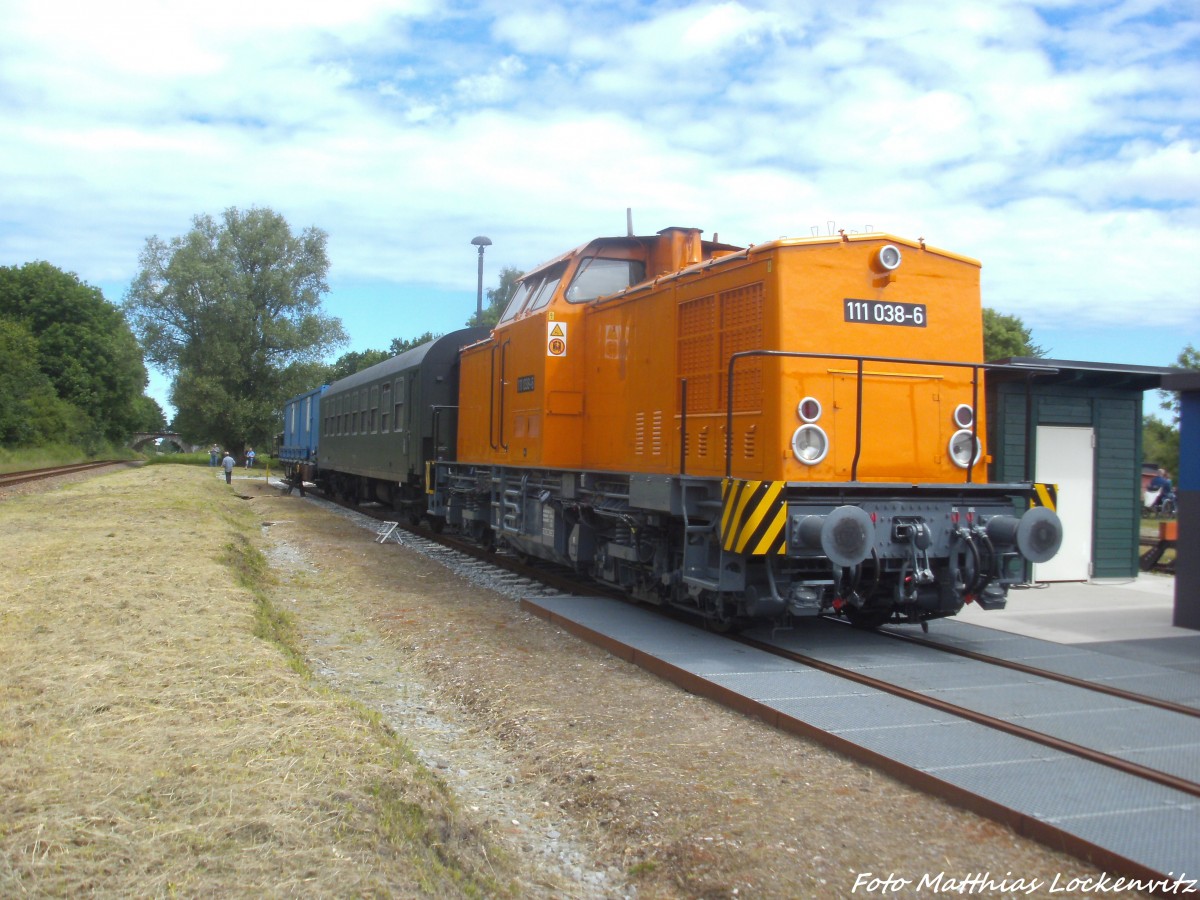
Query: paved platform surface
1131,619
1124,823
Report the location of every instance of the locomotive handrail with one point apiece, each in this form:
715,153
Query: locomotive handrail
859,360
492,401
437,415
503,374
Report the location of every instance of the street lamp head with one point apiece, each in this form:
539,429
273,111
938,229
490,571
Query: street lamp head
481,242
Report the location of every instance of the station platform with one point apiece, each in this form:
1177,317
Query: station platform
1128,618
1116,820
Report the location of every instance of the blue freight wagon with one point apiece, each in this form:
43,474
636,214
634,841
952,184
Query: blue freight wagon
298,451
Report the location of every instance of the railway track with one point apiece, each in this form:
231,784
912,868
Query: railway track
1076,738
1045,736
1089,796
12,478
1048,674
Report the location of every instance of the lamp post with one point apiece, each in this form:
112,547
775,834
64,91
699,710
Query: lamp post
480,242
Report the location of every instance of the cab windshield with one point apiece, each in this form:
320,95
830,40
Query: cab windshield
598,276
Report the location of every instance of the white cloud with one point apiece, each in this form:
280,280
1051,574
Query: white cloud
1063,152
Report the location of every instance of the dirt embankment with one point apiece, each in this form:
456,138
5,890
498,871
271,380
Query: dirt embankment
179,714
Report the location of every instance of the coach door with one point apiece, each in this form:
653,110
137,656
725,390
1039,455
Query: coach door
1067,457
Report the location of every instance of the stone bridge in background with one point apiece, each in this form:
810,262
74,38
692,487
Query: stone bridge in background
140,439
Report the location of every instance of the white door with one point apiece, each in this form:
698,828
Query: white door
1067,457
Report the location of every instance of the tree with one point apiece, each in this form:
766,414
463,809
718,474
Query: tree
232,310
83,345
1006,336
1189,358
399,345
498,298
1160,444
354,361
31,412
148,415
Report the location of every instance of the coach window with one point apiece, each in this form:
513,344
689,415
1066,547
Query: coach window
399,418
385,406
598,277
374,408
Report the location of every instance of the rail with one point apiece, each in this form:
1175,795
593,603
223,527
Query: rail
11,478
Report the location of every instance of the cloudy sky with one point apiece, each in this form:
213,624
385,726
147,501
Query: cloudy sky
1057,142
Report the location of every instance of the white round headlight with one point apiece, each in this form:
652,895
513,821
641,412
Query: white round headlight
809,409
888,257
810,444
964,416
960,449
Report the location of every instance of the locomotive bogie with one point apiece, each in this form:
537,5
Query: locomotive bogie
734,550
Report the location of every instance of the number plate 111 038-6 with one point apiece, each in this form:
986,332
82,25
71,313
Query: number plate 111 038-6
877,312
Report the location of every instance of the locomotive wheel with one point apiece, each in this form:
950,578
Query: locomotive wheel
867,619
482,534
716,616
720,626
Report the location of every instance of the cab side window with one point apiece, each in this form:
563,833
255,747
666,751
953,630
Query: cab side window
534,292
546,291
518,299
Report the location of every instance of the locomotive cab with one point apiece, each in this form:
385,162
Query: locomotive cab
527,381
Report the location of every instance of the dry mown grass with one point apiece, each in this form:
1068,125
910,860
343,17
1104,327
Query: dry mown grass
155,740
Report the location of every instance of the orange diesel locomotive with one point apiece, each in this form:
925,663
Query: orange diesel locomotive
787,429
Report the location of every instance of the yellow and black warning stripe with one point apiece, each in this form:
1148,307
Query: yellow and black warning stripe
1045,495
753,516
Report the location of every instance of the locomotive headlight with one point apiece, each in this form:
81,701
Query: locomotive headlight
810,444
887,258
961,446
964,416
809,409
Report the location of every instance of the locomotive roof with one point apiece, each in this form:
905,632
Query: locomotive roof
918,244
627,240
721,251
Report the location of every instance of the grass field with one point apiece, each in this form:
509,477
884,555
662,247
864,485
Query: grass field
160,733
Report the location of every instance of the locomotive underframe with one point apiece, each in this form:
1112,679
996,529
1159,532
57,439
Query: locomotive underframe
667,540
